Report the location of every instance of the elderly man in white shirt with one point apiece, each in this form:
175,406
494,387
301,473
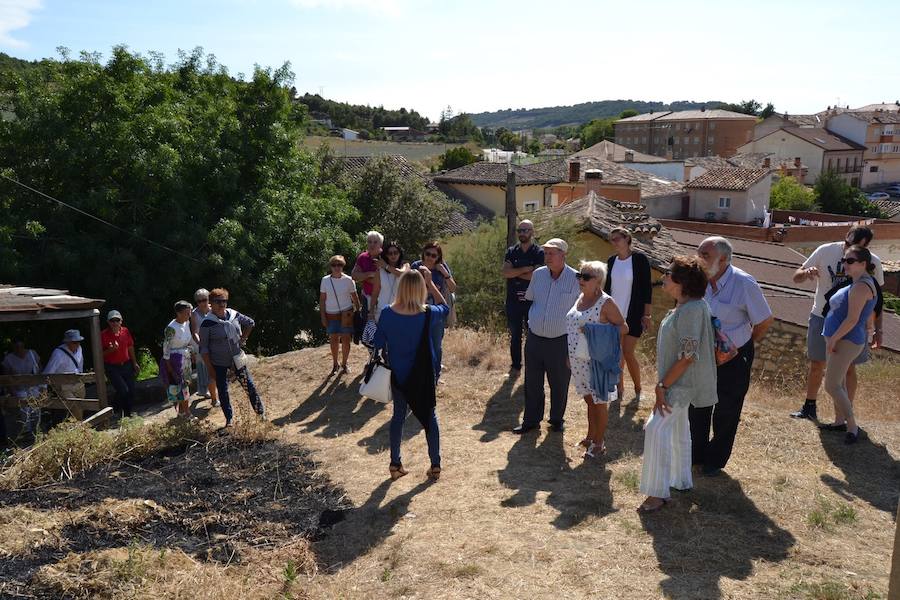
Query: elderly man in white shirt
68,358
737,301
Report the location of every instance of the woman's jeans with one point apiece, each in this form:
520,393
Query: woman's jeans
243,377
122,379
432,435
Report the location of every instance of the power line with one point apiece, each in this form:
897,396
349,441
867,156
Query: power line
96,218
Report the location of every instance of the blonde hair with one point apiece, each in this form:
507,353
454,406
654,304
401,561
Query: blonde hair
596,268
337,258
411,292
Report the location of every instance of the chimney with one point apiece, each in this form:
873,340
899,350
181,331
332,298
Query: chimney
629,156
797,162
767,163
574,171
593,179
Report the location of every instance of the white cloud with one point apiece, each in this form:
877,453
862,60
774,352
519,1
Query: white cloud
388,7
15,14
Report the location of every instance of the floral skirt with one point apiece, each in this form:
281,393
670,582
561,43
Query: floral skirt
179,389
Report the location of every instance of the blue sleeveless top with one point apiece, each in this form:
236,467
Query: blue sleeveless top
840,303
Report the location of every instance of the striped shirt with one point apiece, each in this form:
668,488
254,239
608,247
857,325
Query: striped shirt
551,301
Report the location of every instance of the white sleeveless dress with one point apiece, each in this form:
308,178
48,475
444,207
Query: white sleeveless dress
581,368
388,291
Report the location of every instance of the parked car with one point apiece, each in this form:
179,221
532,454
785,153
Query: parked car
877,196
892,190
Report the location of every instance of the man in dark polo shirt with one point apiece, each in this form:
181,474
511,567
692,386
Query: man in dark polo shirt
520,261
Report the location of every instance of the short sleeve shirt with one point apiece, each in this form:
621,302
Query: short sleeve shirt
437,277
739,304
551,301
827,259
366,264
533,257
338,293
107,337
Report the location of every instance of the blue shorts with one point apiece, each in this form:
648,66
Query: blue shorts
815,342
334,327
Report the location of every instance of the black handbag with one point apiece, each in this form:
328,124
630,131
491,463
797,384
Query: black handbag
358,326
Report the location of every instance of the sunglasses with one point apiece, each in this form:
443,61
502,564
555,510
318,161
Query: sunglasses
523,231
850,260
115,320
431,254
584,276
220,301
333,265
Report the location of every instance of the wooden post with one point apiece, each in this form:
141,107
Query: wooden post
97,352
511,212
894,585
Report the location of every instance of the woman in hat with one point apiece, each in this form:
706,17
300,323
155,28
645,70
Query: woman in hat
120,361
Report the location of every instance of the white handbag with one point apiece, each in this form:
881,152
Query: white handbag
376,383
582,351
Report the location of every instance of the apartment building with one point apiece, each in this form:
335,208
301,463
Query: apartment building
879,132
686,134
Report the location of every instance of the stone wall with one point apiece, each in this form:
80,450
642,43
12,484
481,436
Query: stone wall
781,356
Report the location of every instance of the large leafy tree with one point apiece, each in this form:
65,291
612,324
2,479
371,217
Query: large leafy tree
206,167
789,194
835,195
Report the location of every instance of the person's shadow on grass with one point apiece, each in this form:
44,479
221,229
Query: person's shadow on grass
334,403
871,473
366,527
712,532
501,412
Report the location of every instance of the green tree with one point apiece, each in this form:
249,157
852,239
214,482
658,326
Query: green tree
768,111
455,158
628,112
597,131
508,140
835,195
534,146
207,166
788,194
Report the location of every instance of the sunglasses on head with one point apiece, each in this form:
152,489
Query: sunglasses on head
851,260
431,254
584,276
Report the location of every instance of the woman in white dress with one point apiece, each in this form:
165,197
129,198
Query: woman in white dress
592,306
176,358
384,288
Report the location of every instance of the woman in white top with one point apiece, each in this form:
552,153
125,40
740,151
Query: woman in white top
592,306
176,358
384,288
338,301
630,285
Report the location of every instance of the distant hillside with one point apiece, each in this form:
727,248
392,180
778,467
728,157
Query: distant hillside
555,116
11,63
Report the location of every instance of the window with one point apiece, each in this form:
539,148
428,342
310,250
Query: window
530,206
873,169
696,139
830,166
711,140
712,125
724,202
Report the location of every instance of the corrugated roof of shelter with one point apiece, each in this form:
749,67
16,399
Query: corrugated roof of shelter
605,148
601,215
354,167
756,160
707,162
487,173
876,116
822,138
732,178
28,300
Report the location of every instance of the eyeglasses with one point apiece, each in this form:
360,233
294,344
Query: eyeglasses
333,265
584,276
523,230
431,254
850,260
220,301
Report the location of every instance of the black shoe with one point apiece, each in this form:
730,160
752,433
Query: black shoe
523,428
807,412
852,438
711,471
557,427
833,427
515,367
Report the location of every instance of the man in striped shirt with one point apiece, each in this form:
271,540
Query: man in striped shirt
553,291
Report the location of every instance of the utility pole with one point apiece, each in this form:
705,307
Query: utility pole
511,213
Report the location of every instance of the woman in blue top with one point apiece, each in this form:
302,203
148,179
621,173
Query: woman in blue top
400,329
433,258
845,332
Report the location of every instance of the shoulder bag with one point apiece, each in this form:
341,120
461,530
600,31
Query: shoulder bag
346,315
376,383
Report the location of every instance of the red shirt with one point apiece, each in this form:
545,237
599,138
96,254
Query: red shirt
107,337
367,265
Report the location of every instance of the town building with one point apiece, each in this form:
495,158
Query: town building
686,134
404,134
879,132
777,121
818,148
484,183
731,194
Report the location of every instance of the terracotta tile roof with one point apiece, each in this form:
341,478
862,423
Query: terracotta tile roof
821,137
605,148
894,106
731,178
487,173
707,162
614,173
876,116
770,251
756,160
816,120
650,116
688,115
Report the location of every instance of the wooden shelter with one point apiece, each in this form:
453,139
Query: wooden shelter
21,304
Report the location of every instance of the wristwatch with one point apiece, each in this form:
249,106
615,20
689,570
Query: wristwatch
662,386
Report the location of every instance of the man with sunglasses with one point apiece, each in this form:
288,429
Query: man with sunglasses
120,361
825,267
553,291
519,263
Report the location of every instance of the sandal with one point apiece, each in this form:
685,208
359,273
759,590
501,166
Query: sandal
585,443
595,450
434,473
397,471
648,508
344,369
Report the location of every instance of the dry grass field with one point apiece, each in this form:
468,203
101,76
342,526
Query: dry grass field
304,508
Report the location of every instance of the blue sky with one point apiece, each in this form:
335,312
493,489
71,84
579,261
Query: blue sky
482,55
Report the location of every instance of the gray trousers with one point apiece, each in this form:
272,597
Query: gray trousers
546,356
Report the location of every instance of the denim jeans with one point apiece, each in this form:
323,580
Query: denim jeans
432,435
122,379
243,377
